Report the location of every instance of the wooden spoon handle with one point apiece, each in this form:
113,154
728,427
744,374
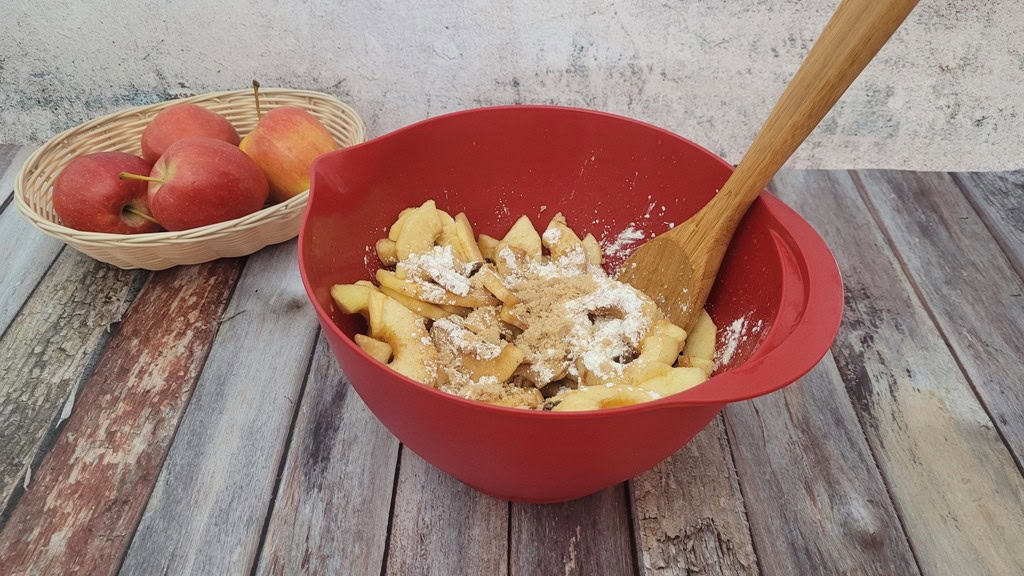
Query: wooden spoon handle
853,35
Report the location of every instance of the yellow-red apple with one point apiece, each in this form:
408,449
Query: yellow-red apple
184,121
200,181
284,143
88,195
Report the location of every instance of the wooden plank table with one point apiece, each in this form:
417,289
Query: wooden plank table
193,421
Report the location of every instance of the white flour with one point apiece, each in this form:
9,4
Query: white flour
465,341
441,266
732,336
552,235
622,245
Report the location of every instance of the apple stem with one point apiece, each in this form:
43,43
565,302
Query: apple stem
142,215
130,176
256,96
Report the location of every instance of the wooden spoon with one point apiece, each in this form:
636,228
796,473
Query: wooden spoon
677,268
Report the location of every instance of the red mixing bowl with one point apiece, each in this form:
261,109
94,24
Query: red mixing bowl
777,300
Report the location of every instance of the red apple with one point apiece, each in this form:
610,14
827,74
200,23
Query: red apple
88,195
200,181
284,143
184,121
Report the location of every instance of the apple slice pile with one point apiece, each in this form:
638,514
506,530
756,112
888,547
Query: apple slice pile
193,171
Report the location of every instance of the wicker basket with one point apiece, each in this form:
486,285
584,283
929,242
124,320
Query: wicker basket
121,132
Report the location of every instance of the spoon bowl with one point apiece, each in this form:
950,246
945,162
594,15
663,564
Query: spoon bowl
678,268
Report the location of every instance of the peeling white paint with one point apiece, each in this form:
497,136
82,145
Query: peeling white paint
945,94
571,567
69,405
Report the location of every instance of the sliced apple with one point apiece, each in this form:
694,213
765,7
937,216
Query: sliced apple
396,228
543,371
708,366
446,219
351,298
674,381
701,341
453,309
476,298
508,317
397,283
559,239
379,350
485,322
592,250
425,309
494,285
510,260
488,245
523,236
641,371
387,252
523,398
501,368
420,231
462,346
447,237
663,343
460,237
433,293
658,352
414,353
600,397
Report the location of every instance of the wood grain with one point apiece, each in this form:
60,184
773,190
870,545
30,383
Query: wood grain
998,197
7,151
112,447
815,500
585,536
966,281
207,510
11,159
688,512
331,511
442,526
47,353
953,481
30,252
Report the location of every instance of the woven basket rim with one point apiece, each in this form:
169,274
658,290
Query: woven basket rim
251,220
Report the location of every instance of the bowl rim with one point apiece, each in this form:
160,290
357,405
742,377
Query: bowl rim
818,322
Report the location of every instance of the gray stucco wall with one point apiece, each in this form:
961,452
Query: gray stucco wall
946,93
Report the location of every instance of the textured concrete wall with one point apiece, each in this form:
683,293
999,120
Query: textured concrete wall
947,93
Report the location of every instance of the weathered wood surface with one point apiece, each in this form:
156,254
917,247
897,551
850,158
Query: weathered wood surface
28,253
84,502
998,197
7,152
688,512
965,280
815,507
331,511
276,470
48,351
442,526
951,478
586,536
207,510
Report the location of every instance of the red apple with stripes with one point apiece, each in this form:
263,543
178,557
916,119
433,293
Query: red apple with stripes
201,181
89,196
